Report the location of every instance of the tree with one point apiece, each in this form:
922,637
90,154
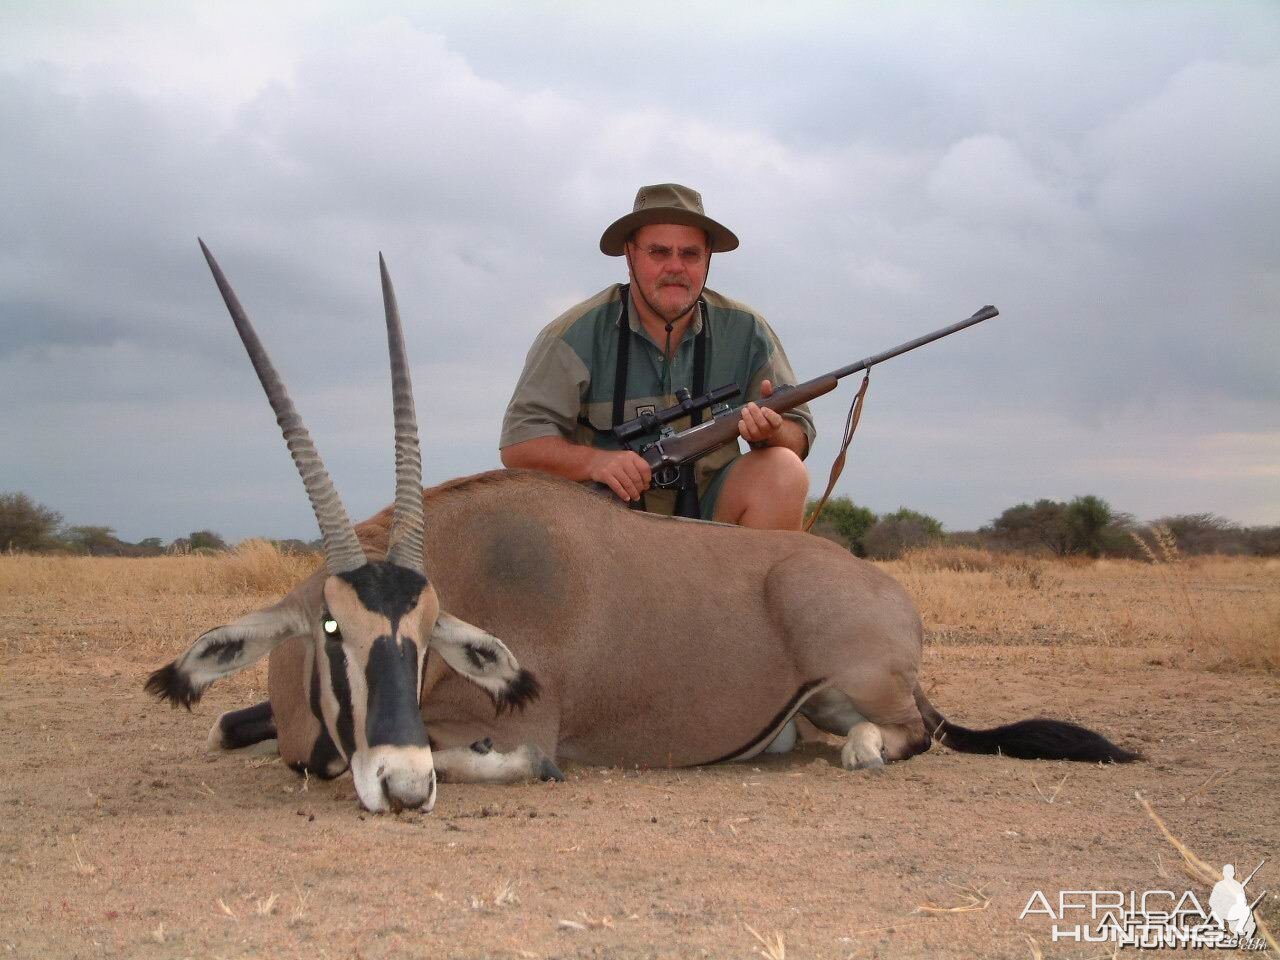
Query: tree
1086,519
97,541
1263,541
1204,533
206,540
899,531
147,547
25,524
1042,523
844,521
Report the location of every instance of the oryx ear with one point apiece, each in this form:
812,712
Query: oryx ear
484,660
223,651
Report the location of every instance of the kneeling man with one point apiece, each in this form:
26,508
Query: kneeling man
631,346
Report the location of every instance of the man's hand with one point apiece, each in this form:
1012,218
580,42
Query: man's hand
625,472
759,424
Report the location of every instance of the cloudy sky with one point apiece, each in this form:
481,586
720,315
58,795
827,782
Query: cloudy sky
1105,173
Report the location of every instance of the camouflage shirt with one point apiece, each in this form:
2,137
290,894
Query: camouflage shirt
571,368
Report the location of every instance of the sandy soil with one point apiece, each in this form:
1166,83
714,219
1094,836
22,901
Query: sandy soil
120,837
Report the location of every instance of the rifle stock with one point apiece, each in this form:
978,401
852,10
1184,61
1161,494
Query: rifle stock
696,441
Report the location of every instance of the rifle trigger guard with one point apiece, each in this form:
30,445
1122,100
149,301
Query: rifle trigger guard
666,478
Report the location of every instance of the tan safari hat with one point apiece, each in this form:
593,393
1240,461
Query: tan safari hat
666,203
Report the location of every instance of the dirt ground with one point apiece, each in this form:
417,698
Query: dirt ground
121,837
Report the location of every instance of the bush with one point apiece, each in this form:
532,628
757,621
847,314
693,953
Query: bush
895,532
206,541
843,522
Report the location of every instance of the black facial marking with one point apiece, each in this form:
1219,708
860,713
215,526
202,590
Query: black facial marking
169,684
226,651
342,691
386,588
323,751
483,746
243,728
393,716
479,656
521,692
774,725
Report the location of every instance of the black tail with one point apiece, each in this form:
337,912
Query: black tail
244,728
1038,739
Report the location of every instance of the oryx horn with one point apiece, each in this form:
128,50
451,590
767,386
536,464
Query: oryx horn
342,551
407,522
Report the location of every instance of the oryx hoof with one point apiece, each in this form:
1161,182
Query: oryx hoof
547,771
545,767
864,750
483,746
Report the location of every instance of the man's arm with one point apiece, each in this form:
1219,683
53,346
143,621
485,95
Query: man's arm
625,472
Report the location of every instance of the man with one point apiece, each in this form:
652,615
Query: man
630,347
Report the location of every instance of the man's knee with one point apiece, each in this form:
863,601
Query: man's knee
766,488
782,472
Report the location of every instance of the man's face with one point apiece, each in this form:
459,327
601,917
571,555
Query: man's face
669,264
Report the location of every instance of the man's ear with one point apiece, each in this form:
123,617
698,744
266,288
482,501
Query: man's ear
225,650
484,660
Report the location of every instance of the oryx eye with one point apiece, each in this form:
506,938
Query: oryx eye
330,626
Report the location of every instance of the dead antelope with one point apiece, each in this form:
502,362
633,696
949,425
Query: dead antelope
654,641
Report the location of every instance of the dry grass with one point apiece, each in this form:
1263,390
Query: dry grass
151,607
1214,612
1209,612
253,567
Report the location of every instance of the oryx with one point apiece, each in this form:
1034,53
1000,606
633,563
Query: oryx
654,641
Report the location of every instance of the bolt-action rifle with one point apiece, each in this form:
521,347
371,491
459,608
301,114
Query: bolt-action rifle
671,451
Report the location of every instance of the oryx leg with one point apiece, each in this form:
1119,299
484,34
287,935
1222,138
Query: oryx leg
252,729
896,733
859,631
293,684
481,763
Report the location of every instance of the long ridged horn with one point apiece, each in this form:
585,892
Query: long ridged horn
407,522
342,551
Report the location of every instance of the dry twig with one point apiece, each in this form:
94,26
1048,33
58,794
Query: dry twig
1053,796
972,899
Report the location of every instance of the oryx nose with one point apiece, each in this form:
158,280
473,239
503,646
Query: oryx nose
409,792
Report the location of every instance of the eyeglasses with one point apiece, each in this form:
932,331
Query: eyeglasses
661,253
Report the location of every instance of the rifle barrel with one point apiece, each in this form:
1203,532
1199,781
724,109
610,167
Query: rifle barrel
694,442
986,313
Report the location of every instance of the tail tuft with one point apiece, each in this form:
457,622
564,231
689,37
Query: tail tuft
521,692
168,683
1038,739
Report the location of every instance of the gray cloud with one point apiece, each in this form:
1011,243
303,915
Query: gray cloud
1104,175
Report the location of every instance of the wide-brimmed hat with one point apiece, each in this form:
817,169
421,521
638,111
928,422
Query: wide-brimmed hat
666,203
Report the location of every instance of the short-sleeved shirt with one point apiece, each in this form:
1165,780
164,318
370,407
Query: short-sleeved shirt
570,372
